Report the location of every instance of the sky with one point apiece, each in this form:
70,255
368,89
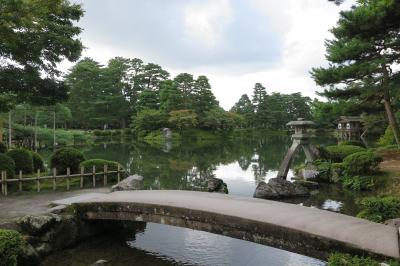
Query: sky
235,43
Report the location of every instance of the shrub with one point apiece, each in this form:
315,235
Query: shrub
7,164
339,152
11,246
378,209
67,157
341,259
358,183
3,147
22,159
99,164
387,138
37,162
359,163
353,143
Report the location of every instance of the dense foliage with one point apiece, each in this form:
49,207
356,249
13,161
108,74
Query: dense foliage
23,160
363,56
341,259
38,163
67,157
35,36
337,153
11,246
99,165
361,163
380,209
7,164
3,147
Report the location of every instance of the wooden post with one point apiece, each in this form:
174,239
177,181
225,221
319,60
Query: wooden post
38,180
54,179
4,183
105,175
94,175
82,172
68,173
20,181
118,174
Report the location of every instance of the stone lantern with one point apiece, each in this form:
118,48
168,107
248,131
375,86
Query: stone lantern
301,138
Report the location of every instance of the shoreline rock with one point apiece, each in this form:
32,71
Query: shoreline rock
133,182
277,188
217,185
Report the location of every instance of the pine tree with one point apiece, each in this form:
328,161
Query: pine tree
363,56
203,98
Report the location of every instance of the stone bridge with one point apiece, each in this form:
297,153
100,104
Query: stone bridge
295,228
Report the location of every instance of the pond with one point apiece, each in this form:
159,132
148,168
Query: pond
241,162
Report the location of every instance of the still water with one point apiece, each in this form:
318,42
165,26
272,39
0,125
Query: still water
241,162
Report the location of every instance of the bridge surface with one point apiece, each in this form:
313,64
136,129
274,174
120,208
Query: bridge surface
296,228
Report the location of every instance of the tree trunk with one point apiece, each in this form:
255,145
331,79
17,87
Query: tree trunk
391,117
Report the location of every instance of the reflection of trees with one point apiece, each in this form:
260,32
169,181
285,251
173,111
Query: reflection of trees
190,164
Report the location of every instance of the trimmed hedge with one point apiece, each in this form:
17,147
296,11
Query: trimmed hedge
360,163
7,164
99,164
380,209
3,147
358,183
37,162
67,157
353,143
11,246
338,152
22,159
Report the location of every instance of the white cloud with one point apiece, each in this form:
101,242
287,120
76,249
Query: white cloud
205,22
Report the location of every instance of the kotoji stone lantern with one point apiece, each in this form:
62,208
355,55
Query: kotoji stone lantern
301,138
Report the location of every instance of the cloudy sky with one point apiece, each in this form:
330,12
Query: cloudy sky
236,43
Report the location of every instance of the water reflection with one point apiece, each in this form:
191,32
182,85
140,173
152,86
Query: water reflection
189,247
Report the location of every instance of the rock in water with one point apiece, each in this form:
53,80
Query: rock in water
133,182
279,188
216,185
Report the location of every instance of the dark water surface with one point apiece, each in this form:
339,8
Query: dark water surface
242,163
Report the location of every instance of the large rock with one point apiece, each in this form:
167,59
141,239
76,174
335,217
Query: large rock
36,224
133,182
216,185
279,188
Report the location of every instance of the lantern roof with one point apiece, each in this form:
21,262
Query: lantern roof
300,122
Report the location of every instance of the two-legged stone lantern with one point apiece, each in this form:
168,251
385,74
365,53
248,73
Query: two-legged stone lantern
300,138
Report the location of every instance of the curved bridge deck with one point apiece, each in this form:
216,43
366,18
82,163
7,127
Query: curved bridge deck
291,227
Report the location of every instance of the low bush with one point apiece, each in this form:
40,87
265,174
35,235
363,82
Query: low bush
358,183
38,163
360,163
353,143
67,157
338,152
380,209
23,160
99,164
342,259
3,147
11,246
7,164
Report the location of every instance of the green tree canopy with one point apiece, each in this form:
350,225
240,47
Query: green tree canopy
36,35
364,56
